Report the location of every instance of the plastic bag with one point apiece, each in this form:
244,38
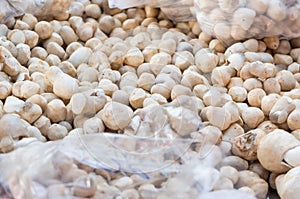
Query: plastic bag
127,4
8,11
197,177
231,20
158,154
39,170
235,20
29,172
176,10
40,8
46,166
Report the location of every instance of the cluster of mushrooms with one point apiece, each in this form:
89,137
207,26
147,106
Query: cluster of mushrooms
229,82
232,21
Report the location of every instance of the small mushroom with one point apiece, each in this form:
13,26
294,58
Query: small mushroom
281,110
252,180
244,17
246,145
116,116
272,156
287,185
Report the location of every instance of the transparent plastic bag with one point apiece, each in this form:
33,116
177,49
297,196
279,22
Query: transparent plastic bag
46,166
176,10
30,171
236,20
8,11
56,169
43,8
39,170
127,4
40,8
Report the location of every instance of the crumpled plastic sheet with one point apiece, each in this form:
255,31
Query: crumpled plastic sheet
40,8
33,166
232,21
176,10
25,166
8,10
227,20
25,169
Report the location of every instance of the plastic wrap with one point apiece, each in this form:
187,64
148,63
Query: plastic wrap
39,166
40,169
86,165
176,10
43,8
127,4
235,20
231,20
8,11
46,167
40,8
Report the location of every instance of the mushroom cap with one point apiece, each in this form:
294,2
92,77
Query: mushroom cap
245,145
271,150
288,186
